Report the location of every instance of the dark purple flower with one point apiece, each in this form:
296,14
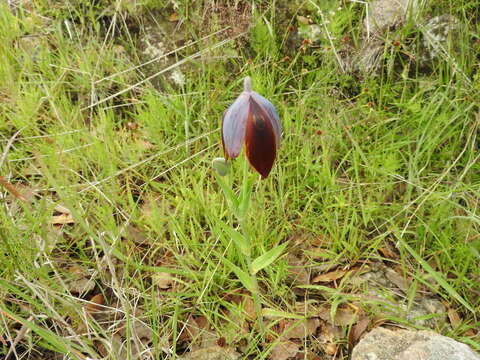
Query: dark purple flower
252,120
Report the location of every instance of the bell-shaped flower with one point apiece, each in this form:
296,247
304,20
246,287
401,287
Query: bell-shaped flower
252,120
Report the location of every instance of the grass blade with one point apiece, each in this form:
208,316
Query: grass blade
266,259
241,242
437,276
232,200
245,279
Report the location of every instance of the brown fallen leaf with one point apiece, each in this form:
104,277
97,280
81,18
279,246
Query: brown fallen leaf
79,280
12,189
163,280
360,327
356,331
284,350
297,271
388,253
310,356
127,348
397,279
249,307
378,321
306,308
330,349
62,209
95,304
173,17
454,317
433,263
304,20
207,337
201,321
330,276
329,333
470,333
300,329
62,219
146,145
137,328
28,192
189,330
343,316
214,352
136,235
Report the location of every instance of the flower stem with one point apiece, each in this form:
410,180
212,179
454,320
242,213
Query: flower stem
247,84
256,298
244,229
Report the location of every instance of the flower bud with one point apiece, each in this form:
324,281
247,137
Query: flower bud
220,165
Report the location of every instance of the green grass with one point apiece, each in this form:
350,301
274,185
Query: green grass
367,162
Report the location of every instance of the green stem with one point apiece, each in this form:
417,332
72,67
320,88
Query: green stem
256,298
245,233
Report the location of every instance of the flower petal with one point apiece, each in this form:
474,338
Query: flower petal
275,119
233,126
260,139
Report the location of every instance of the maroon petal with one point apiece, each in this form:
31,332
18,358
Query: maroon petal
272,114
260,139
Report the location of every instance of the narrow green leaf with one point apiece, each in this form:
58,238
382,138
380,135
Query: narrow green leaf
240,241
232,200
244,198
61,345
131,262
266,259
437,276
242,276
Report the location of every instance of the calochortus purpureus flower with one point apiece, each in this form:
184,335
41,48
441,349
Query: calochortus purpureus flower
252,120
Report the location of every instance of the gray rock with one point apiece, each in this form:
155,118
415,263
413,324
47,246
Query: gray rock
441,36
384,14
370,56
384,344
426,312
389,287
439,40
